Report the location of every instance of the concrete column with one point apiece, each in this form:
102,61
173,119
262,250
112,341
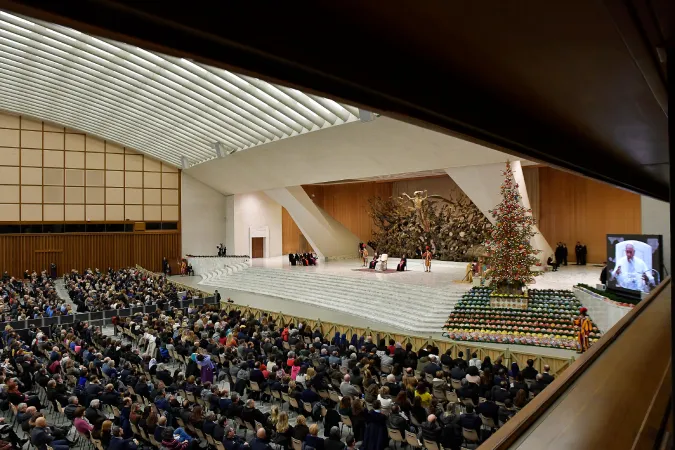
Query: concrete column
656,220
482,185
328,237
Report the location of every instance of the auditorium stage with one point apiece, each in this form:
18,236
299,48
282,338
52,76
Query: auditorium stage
442,279
443,273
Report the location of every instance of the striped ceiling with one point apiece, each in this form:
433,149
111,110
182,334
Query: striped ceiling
169,108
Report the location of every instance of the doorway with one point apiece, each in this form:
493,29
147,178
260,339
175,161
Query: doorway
257,247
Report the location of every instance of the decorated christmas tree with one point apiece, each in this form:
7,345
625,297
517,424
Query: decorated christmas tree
510,254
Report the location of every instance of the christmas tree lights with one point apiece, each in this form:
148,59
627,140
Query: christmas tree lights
510,255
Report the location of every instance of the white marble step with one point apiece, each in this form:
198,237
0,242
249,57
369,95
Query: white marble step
410,307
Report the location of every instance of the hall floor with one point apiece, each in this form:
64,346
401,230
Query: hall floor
444,274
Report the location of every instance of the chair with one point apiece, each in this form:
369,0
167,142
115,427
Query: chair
258,425
220,446
456,384
439,394
428,377
488,422
395,435
209,439
386,369
470,436
383,262
191,397
346,420
308,408
412,440
324,394
297,445
200,434
430,445
446,368
334,396
254,386
415,422
294,403
451,396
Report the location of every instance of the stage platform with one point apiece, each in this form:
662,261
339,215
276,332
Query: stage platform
436,293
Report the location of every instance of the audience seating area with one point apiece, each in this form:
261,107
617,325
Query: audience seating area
406,306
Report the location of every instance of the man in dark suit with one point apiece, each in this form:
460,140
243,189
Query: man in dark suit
260,441
396,421
577,253
538,385
470,420
41,437
251,414
117,441
564,254
433,366
500,393
459,361
546,377
489,409
529,372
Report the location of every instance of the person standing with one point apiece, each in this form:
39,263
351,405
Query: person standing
427,255
564,254
577,253
583,326
364,256
584,252
559,253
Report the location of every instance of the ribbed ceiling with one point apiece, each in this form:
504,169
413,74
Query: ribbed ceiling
163,106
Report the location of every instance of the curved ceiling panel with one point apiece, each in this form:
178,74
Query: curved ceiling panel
160,105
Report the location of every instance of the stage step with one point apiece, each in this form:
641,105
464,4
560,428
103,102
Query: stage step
407,306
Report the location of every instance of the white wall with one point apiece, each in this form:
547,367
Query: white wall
203,212
482,184
355,150
656,220
256,210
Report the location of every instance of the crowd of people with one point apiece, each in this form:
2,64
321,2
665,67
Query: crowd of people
318,385
32,297
302,259
97,291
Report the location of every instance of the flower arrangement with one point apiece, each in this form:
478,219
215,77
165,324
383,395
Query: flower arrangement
547,322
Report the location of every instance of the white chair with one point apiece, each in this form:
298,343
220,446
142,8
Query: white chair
383,261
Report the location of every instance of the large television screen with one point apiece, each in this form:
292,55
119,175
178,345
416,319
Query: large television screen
634,262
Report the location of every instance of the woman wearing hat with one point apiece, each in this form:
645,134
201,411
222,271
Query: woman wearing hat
584,327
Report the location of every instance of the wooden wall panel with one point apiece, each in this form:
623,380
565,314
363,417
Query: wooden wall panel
87,250
573,208
292,239
348,204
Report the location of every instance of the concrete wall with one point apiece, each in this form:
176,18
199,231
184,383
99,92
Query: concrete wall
604,312
482,185
656,220
252,213
203,214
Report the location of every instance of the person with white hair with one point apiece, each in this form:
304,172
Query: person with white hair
95,415
631,272
346,388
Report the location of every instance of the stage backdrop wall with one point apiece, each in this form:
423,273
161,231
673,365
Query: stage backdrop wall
346,203
574,208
